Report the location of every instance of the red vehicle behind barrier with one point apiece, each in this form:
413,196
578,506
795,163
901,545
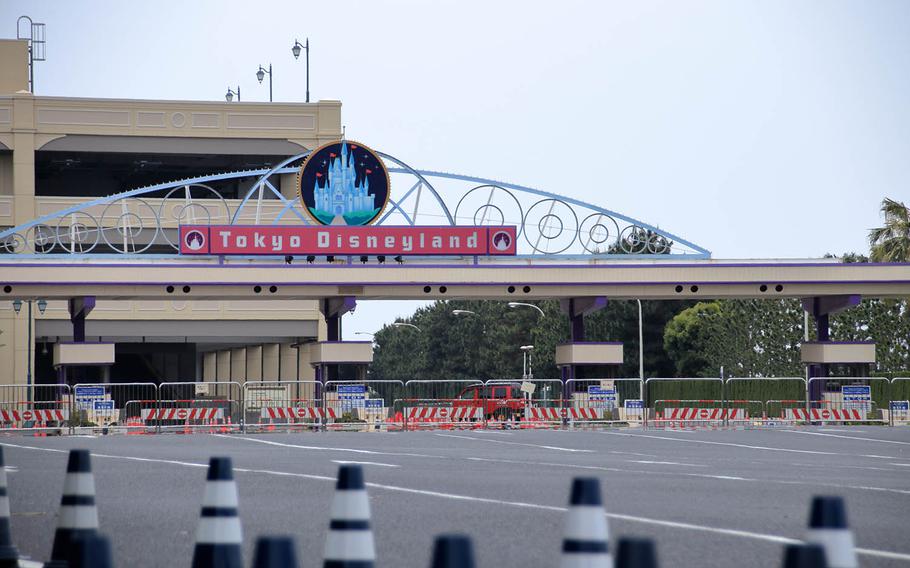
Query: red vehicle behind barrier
500,401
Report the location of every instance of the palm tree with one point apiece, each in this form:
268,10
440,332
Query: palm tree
891,243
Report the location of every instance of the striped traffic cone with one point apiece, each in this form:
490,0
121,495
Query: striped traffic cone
452,551
350,540
274,552
91,551
9,556
218,538
804,556
828,528
78,513
636,553
586,538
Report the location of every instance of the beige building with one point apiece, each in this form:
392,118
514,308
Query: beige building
56,152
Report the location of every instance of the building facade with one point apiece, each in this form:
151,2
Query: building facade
56,152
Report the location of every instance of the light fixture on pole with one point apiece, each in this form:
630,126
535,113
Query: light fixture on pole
402,324
260,75
522,304
464,313
230,94
296,51
527,373
17,307
364,333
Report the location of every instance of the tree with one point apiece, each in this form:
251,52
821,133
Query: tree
891,243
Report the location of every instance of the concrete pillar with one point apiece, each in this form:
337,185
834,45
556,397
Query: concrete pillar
287,358
289,186
254,363
238,365
23,158
270,362
210,366
223,365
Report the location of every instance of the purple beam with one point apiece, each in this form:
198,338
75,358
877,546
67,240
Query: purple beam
79,309
826,305
582,306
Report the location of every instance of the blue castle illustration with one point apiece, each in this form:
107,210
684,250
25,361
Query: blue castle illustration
341,194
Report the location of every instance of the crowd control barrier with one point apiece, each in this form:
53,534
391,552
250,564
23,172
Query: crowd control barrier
198,407
362,405
284,405
119,405
849,399
899,405
35,408
603,401
457,404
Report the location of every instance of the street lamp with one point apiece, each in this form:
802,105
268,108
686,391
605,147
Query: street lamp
402,324
364,333
527,373
17,306
229,95
517,304
260,75
296,51
464,313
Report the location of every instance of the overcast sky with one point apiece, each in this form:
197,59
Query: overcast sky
759,129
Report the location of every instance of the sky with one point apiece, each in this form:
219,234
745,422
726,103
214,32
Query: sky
756,129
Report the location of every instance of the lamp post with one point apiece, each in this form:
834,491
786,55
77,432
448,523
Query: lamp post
260,75
296,51
464,313
641,355
229,95
17,306
522,304
527,372
402,324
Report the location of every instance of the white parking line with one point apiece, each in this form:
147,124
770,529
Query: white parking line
347,462
847,437
325,448
558,448
517,504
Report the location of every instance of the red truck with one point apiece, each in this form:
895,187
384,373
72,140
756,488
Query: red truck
499,401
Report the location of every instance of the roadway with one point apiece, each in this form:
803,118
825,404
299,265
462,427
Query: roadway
709,498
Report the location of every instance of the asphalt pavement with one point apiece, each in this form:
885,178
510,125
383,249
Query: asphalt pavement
709,498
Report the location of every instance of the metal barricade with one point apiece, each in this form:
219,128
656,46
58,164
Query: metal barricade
506,405
681,413
288,405
787,412
187,407
39,409
758,389
362,405
113,407
665,388
430,404
603,401
899,405
849,399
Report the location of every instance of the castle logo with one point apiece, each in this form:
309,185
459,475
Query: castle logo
343,183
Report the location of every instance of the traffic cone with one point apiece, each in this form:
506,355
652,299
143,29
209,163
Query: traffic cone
586,536
91,551
274,552
636,553
452,551
350,540
78,513
9,556
828,528
218,538
804,556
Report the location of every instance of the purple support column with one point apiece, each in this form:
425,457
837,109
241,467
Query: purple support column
821,307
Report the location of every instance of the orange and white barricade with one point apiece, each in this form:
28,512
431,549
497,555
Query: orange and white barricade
442,416
36,415
825,415
297,413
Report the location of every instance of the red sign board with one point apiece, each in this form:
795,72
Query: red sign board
345,240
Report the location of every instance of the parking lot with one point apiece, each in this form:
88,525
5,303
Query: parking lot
708,498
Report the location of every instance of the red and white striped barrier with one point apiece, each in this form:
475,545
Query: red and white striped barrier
38,414
572,413
684,414
298,412
182,413
825,414
444,413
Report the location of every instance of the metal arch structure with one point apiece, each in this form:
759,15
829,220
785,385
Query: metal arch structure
144,220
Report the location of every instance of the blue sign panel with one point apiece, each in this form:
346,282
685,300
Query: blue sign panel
374,403
104,405
633,403
89,392
349,390
900,405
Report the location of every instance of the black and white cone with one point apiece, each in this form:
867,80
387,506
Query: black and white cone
274,552
586,538
218,538
636,553
828,528
804,556
452,551
9,556
78,513
350,540
91,551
